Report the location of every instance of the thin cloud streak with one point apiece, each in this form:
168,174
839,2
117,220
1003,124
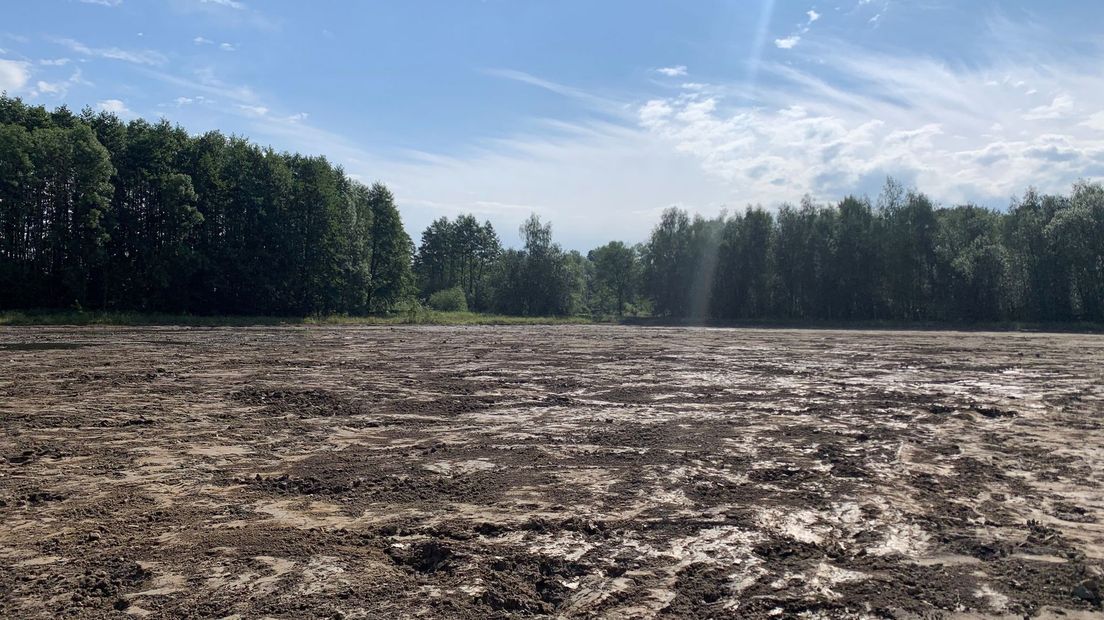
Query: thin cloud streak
141,57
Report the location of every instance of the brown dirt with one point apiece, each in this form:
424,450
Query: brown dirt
567,471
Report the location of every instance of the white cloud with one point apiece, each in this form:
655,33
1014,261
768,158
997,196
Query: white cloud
654,112
824,129
227,47
297,117
206,82
595,101
253,110
54,62
940,127
232,4
14,75
114,106
202,41
184,101
1055,109
1096,121
593,182
50,88
677,71
141,57
59,88
791,41
787,42
111,3
933,125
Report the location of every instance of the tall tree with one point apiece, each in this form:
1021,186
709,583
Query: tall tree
668,263
616,272
390,263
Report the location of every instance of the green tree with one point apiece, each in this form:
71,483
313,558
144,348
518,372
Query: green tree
1077,235
970,264
616,273
667,263
908,237
390,265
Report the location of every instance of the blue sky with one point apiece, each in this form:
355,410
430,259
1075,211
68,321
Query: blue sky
598,115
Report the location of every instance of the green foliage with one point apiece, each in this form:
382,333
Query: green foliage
537,280
905,260
101,214
449,300
616,277
389,267
458,253
113,216
413,314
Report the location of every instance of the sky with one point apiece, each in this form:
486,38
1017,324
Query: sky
594,115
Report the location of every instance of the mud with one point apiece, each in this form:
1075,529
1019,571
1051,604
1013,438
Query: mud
596,472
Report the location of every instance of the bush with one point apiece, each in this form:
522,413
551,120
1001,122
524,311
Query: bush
449,300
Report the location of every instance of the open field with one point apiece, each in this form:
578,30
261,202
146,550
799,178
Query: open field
580,471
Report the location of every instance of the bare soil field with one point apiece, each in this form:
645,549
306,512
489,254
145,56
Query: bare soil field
344,472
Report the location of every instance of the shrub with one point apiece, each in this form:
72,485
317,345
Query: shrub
449,300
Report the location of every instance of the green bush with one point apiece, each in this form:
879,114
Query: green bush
449,300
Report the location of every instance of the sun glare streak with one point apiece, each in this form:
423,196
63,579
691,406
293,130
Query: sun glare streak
757,46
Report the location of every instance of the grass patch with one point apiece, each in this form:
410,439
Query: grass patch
426,316
872,325
422,317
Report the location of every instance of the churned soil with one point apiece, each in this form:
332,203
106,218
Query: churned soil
613,472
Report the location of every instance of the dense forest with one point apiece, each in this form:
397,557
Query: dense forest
100,214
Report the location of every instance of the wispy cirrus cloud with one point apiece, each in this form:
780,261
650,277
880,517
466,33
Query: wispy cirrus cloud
597,102
960,133
825,117
232,13
253,110
59,88
1061,104
230,4
141,57
204,80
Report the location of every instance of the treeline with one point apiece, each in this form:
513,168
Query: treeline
101,214
466,258
901,259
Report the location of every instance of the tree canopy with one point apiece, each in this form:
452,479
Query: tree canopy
103,214
98,213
